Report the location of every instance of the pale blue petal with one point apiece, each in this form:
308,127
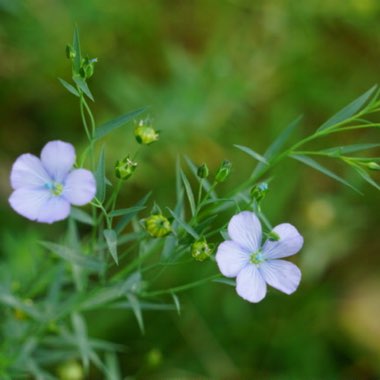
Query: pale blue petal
27,171
55,209
58,157
39,205
281,274
231,258
29,202
245,229
250,285
79,187
289,244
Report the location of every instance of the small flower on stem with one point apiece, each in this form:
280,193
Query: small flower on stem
46,187
255,265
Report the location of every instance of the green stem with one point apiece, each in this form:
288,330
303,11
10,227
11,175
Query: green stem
181,288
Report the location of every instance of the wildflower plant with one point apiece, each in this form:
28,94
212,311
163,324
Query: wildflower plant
109,263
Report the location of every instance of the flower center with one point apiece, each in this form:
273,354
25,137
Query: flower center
55,188
257,257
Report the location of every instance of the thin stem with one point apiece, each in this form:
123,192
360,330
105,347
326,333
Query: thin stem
181,288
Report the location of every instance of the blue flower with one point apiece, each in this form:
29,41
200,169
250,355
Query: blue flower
255,265
45,189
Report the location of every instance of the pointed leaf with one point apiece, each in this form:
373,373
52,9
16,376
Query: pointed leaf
120,121
367,177
339,150
83,86
80,330
100,176
135,304
183,224
126,211
73,257
348,111
176,303
69,87
111,240
315,165
189,192
81,216
252,153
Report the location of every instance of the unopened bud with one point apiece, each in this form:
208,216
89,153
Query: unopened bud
125,168
158,225
70,52
273,236
201,250
259,192
223,171
71,370
144,132
87,67
373,165
203,171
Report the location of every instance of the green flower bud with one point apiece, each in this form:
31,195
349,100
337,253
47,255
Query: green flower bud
71,370
273,236
70,52
203,171
144,132
200,250
373,165
125,168
87,67
223,171
158,225
259,192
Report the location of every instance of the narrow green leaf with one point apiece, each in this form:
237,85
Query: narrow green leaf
339,150
80,330
83,86
367,177
126,211
111,240
81,216
225,281
112,366
69,87
127,218
76,47
11,301
205,184
252,153
185,226
189,192
135,304
278,144
120,121
100,176
315,165
176,303
72,256
348,111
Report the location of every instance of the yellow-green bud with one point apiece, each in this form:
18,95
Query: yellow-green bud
71,370
70,52
273,236
125,168
158,225
259,192
373,165
223,171
203,171
201,250
145,134
87,67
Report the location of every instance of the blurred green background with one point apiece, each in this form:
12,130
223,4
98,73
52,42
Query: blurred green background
214,73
